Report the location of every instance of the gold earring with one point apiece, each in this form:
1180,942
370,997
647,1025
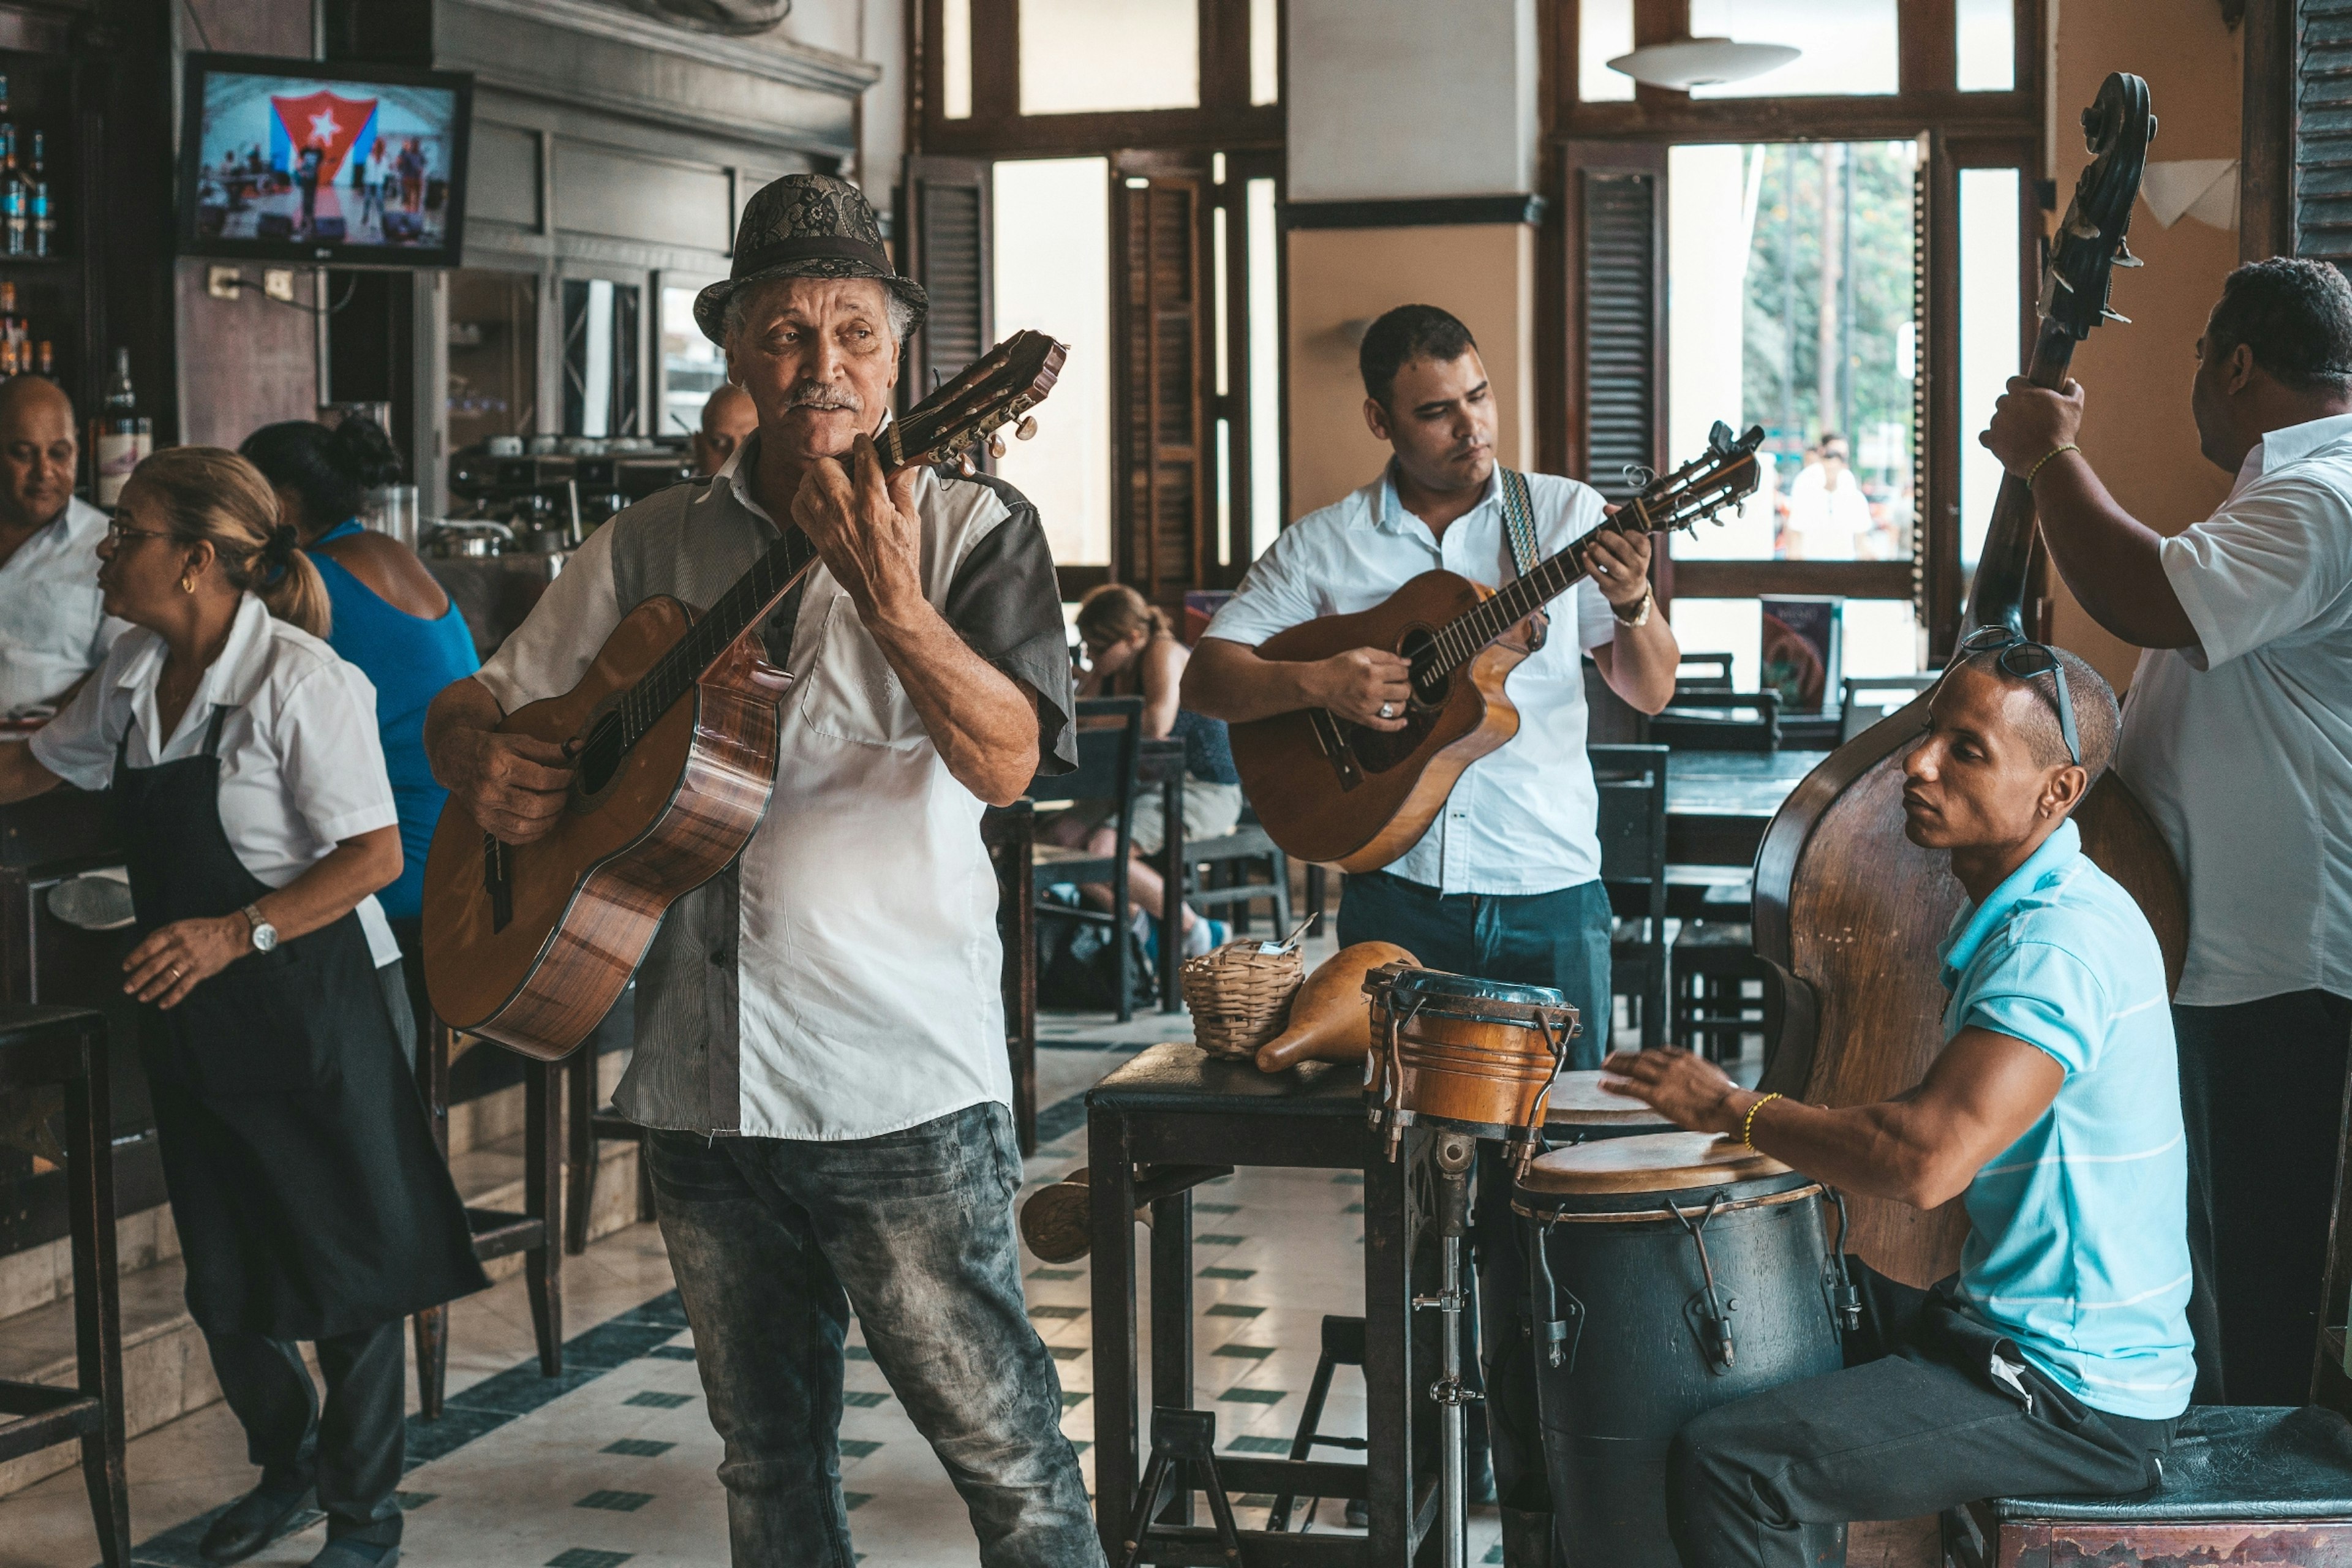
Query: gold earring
188,584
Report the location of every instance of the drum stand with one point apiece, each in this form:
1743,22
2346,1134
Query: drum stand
1456,1151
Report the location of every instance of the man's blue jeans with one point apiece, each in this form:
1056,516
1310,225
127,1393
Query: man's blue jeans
774,1241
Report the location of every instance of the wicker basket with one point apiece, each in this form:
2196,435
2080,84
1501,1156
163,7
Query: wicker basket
1239,997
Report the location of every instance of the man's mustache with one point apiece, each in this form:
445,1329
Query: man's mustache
818,395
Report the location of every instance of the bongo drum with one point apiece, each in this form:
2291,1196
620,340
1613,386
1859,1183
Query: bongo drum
1673,1272
1472,1055
1580,1111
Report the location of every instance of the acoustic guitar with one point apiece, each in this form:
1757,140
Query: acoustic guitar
1849,913
1329,790
674,733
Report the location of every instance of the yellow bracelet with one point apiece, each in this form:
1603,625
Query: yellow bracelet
1748,1125
2035,472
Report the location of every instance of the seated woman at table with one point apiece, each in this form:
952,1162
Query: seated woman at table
391,618
256,822
1132,650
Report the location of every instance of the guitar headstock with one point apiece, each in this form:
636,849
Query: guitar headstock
1728,475
2089,245
995,390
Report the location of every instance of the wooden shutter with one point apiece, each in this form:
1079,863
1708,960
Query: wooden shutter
1615,218
2323,132
944,245
1161,545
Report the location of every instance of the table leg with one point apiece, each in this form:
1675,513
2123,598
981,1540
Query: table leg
432,1324
1171,1328
580,1193
1111,1201
1389,1399
543,1200
97,1311
1172,899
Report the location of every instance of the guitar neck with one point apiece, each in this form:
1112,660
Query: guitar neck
1461,638
741,608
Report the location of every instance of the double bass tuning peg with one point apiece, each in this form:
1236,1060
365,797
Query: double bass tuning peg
2123,257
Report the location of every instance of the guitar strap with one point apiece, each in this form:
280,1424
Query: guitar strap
1519,526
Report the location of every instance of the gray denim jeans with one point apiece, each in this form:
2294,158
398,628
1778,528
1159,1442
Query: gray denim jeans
774,1241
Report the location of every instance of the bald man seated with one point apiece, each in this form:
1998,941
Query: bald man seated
53,632
727,418
2059,1357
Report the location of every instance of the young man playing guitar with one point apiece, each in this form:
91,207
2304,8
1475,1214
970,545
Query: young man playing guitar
2058,1358
820,1038
1507,883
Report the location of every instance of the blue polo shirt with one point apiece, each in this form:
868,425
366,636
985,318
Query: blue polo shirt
2078,1245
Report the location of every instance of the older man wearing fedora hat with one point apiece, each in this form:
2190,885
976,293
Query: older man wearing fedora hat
820,1041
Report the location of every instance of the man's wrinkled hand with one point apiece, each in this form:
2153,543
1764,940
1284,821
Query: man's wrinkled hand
515,786
865,529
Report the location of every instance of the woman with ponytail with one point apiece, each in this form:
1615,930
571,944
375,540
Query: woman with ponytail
391,618
256,822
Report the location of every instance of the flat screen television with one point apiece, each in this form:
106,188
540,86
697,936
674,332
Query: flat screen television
290,160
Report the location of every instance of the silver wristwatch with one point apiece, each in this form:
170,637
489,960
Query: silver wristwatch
265,936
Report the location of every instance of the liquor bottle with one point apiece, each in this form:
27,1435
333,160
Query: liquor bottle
125,435
48,361
14,197
43,223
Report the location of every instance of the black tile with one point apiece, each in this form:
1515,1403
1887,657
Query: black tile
1234,1310
1053,1312
862,1399
639,1447
615,1501
587,1557
852,1501
856,1352
411,1501
653,1401
1221,1272
1259,1446
858,1447
1056,1274
670,1353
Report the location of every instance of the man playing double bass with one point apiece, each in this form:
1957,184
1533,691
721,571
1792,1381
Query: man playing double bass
2237,739
2058,1358
1505,883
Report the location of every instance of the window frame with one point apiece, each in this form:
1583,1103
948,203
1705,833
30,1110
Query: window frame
1225,121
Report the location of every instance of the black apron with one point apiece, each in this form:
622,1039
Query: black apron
310,1198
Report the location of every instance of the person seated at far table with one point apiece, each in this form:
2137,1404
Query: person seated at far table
728,417
53,631
2059,1358
1131,650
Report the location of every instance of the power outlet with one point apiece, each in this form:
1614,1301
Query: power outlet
277,283
221,282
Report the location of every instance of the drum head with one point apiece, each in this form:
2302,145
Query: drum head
1463,993
1660,1162
1579,1100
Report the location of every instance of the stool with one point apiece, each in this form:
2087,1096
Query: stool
1343,1345
536,1231
67,1047
1184,1448
1713,962
587,1124
2235,1473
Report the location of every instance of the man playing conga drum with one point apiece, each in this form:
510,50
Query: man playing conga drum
2058,1358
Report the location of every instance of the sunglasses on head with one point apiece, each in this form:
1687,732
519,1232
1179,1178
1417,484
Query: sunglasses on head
2021,659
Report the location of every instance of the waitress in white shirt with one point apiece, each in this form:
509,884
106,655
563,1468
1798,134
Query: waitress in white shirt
2238,738
311,1202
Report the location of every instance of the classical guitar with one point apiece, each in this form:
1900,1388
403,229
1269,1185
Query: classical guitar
1850,913
674,731
1329,790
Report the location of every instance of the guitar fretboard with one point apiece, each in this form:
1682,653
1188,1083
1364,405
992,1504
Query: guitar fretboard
1459,639
753,594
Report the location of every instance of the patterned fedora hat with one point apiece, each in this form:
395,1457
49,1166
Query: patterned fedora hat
807,226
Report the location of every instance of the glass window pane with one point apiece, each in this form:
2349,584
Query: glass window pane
1264,371
1217,263
1265,53
955,58
692,367
1604,30
1083,57
1790,285
1989,348
1882,637
1735,626
1984,42
1849,45
1877,637
1053,274
493,355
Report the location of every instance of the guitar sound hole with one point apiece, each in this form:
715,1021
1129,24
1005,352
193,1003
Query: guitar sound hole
1429,686
600,759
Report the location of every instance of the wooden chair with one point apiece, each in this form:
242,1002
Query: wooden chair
1010,834
1718,720
1703,672
1864,700
1631,824
1218,874
537,1231
1111,729
65,1046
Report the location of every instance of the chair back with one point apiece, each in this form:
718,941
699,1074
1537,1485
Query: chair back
1110,738
1631,822
1865,700
1703,672
1719,721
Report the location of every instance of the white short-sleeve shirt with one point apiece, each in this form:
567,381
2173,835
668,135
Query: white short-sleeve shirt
1521,819
2240,744
53,628
301,764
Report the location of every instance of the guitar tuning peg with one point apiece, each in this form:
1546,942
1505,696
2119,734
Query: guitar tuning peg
996,445
964,465
1027,429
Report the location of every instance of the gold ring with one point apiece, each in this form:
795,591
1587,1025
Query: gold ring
176,971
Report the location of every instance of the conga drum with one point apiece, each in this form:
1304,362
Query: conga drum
1467,1055
1673,1272
1580,1111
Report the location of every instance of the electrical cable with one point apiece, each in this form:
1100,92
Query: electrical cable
203,37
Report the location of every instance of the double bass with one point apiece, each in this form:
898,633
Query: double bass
1848,911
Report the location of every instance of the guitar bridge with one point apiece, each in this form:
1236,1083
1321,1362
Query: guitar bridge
1335,748
498,880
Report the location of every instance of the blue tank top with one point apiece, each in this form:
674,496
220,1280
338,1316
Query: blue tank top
409,660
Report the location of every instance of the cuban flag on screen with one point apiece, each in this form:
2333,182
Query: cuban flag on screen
340,126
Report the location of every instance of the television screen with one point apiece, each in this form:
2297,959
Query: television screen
291,160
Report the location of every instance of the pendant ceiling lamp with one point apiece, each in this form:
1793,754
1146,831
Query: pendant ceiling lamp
1686,63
